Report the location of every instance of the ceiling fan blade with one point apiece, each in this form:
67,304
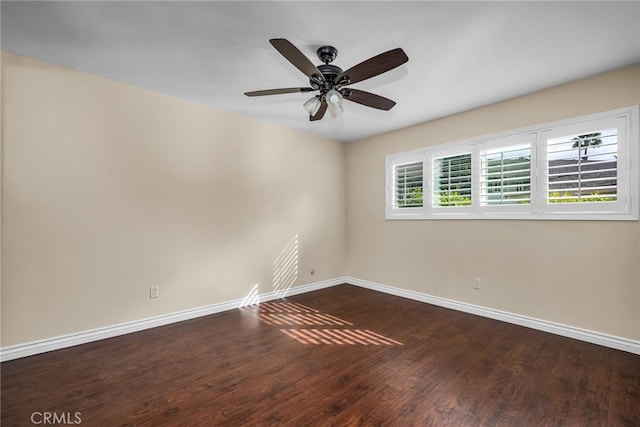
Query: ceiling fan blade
373,66
297,58
320,113
369,99
279,91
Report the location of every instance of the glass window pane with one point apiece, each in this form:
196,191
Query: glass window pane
408,185
452,181
506,176
583,168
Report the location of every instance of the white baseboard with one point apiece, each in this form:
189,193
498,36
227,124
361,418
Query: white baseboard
56,343
611,341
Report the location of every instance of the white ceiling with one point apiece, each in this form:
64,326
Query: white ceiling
462,55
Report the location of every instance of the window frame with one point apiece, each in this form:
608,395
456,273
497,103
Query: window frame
625,208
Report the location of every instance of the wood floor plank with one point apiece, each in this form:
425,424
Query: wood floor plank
387,361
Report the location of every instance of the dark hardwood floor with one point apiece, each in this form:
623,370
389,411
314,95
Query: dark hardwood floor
342,356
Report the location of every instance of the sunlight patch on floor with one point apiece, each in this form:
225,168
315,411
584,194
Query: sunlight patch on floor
301,319
285,307
338,336
284,315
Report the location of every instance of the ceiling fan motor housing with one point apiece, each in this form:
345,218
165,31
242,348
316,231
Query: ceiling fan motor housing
330,72
327,54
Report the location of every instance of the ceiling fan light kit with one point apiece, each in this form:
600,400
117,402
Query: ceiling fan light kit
334,102
330,80
312,105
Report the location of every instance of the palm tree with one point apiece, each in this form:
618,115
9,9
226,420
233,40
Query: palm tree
587,140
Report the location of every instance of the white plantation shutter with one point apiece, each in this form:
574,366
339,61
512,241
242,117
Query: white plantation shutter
452,181
505,175
587,168
583,167
407,187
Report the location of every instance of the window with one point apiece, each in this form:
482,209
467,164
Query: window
577,169
505,175
585,167
408,185
452,181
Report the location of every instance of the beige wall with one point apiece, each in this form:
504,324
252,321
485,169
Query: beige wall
108,189
580,273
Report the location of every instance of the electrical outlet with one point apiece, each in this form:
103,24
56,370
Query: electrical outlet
154,291
475,283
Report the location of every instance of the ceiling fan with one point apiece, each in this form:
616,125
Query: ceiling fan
331,80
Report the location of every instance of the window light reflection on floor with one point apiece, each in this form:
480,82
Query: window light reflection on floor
301,317
338,336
